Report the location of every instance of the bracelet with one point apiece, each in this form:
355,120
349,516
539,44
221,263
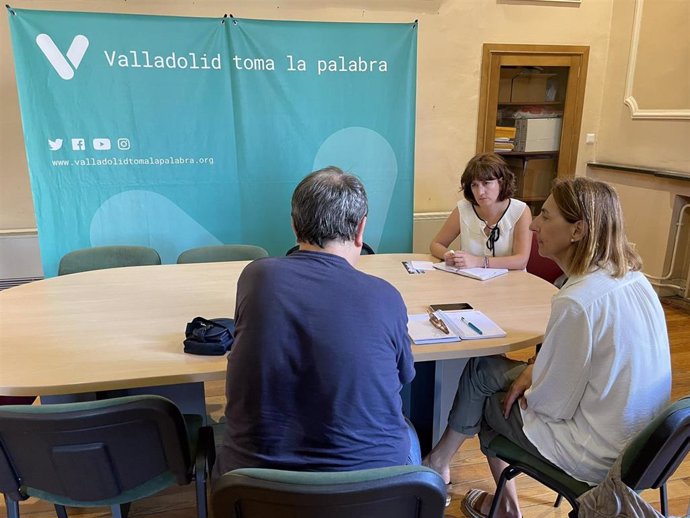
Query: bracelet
486,261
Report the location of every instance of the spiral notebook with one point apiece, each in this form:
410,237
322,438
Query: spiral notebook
481,274
468,324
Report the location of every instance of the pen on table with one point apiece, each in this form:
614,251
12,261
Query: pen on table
471,326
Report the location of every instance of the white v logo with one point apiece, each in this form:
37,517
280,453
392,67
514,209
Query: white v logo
75,53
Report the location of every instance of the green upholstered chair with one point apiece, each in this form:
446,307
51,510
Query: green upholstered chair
400,491
221,253
366,250
16,400
647,463
103,453
102,257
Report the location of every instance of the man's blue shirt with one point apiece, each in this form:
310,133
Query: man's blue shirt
321,353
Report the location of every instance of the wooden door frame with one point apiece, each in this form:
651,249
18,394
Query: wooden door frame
575,57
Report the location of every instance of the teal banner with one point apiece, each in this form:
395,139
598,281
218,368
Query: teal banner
174,132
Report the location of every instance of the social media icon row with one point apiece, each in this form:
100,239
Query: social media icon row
98,144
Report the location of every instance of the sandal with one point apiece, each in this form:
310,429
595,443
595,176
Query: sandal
470,503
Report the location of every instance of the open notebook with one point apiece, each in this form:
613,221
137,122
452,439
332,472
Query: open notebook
463,325
481,274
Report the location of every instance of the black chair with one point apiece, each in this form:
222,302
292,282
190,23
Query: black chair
103,453
221,253
647,463
103,257
366,250
399,491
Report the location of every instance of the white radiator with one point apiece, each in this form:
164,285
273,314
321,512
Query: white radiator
675,279
20,259
425,226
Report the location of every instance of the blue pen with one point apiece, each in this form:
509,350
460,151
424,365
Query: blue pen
471,326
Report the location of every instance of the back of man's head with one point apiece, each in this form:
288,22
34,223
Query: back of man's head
328,205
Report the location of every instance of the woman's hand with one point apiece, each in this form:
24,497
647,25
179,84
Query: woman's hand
464,260
449,258
516,391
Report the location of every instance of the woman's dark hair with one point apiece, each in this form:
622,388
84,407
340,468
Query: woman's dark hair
487,166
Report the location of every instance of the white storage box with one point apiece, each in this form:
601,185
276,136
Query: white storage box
538,134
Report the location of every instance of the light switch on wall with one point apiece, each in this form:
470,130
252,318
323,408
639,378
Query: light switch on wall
590,138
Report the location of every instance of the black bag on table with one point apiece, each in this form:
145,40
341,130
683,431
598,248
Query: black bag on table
212,337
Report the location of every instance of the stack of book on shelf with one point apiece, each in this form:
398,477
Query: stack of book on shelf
504,139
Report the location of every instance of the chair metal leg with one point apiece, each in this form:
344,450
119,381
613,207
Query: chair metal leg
508,474
12,507
120,510
205,457
664,500
513,470
201,504
61,511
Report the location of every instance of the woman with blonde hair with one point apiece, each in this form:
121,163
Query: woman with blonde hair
604,368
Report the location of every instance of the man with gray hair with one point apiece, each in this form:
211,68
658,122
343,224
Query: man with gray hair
321,350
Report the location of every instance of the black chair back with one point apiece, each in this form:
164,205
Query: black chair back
655,453
647,461
106,452
400,491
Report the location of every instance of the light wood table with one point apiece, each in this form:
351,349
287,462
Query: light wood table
123,328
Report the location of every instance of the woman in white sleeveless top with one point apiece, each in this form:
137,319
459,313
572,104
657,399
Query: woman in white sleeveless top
493,227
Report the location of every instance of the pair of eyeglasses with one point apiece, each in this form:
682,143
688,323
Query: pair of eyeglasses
437,322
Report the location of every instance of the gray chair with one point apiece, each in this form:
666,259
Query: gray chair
400,491
104,453
647,463
103,257
221,253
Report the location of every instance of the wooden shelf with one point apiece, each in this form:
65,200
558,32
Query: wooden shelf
503,84
530,154
519,103
529,199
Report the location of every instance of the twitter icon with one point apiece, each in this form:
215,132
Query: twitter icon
55,144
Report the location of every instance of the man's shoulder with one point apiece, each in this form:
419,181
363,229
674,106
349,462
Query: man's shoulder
378,288
264,267
262,264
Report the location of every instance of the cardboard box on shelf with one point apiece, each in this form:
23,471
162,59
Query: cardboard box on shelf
542,134
534,176
505,84
529,88
539,175
519,85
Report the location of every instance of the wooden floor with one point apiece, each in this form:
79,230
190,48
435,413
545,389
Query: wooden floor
469,468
